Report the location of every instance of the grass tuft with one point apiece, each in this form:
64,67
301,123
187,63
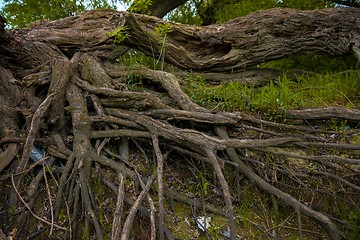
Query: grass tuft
320,90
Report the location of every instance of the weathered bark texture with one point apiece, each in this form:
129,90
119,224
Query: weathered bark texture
63,91
160,8
8,114
241,43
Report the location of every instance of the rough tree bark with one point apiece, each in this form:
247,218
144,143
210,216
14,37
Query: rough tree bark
160,8
62,89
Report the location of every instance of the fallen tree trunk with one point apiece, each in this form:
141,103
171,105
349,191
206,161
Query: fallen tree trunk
61,88
238,44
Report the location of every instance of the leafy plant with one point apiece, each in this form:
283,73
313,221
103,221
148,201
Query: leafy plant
119,34
185,14
273,100
20,14
319,63
140,6
163,29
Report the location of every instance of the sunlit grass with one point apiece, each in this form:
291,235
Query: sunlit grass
320,90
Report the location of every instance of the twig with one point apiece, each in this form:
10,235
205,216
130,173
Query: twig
130,218
50,201
60,193
159,171
152,208
281,224
33,187
299,224
226,191
324,159
330,145
102,145
116,228
32,213
287,126
326,223
31,166
192,202
304,230
198,223
354,186
75,207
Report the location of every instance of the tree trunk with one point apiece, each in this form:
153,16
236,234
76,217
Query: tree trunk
244,42
63,91
160,8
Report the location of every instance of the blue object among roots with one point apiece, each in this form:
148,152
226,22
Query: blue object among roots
36,154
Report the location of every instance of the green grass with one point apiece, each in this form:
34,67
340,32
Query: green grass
318,63
326,89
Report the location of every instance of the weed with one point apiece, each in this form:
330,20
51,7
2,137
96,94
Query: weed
119,35
282,94
86,233
163,30
140,6
354,219
319,63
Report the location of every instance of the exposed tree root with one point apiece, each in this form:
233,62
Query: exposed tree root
158,121
93,124
325,113
116,228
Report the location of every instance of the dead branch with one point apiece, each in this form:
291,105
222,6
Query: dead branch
325,113
130,218
116,229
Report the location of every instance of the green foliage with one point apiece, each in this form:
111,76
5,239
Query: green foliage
185,14
354,219
273,100
244,208
203,186
236,8
20,13
163,29
119,34
134,57
86,233
230,9
351,216
319,63
140,6
305,5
